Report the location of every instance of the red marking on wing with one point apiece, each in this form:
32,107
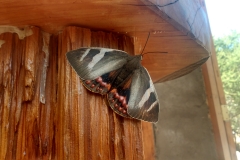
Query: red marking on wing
118,103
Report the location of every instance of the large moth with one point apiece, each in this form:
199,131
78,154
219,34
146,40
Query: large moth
121,77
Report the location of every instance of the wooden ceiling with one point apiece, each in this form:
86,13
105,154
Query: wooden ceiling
175,46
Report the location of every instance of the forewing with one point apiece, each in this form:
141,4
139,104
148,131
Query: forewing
90,63
97,67
143,102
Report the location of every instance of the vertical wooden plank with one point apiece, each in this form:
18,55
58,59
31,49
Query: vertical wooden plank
216,97
5,72
20,107
33,65
75,110
215,112
17,98
232,145
101,128
222,99
148,140
23,121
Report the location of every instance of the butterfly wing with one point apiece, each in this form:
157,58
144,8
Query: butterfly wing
136,97
97,67
132,95
142,88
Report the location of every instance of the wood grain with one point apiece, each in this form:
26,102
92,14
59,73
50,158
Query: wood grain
73,123
135,18
148,141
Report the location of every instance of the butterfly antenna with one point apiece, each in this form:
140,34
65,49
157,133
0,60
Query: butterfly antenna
145,43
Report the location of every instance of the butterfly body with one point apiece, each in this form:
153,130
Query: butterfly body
127,84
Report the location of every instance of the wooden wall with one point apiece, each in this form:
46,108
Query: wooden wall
46,113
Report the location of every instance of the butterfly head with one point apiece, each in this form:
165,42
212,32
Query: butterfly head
138,58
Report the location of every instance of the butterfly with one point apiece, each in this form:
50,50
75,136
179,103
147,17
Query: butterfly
121,77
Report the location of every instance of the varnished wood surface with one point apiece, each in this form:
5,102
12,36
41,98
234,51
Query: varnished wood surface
129,17
148,142
72,123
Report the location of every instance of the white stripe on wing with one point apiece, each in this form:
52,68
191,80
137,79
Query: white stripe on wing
146,95
84,55
152,105
98,57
